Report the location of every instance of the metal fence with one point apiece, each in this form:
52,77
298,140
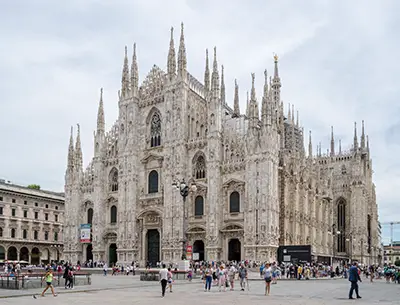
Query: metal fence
35,280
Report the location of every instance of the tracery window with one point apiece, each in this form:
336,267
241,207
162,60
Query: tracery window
200,168
199,206
155,130
234,202
113,180
341,220
153,182
113,216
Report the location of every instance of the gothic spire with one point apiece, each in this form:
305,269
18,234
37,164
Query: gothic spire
222,86
332,143
289,115
297,119
264,105
236,110
71,157
276,72
293,114
207,74
171,65
362,136
134,73
367,143
309,146
100,114
125,76
182,62
355,137
340,146
253,100
253,89
248,105
215,77
78,150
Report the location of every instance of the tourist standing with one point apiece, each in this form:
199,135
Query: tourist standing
221,278
354,277
105,268
267,278
163,279
208,278
243,277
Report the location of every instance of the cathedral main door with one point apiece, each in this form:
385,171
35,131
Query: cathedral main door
234,250
153,246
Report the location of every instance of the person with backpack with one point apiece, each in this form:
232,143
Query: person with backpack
268,278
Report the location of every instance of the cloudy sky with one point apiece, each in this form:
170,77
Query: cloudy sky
338,64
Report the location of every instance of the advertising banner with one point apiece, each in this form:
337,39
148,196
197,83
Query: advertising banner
85,233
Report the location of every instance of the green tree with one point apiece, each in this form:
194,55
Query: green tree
34,186
397,263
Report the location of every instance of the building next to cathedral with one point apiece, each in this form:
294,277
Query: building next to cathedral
255,187
31,223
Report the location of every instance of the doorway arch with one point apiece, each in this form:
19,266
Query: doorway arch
153,246
24,254
234,250
12,254
35,257
198,247
89,253
112,254
2,253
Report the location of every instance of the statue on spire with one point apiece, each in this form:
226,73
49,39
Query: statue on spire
182,62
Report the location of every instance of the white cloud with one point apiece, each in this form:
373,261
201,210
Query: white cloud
338,64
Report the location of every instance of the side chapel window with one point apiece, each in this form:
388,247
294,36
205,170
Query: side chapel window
199,206
200,168
113,180
113,216
155,130
153,182
234,202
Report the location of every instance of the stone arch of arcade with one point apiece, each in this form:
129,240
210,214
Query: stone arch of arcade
233,242
197,239
29,253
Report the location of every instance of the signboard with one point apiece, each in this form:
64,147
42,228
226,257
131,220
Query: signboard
189,255
189,249
196,256
85,233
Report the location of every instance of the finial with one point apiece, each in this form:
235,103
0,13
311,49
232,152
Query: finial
266,75
207,74
297,118
72,131
126,51
275,57
79,128
340,146
181,26
172,32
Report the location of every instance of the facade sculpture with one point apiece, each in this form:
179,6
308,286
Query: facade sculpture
256,188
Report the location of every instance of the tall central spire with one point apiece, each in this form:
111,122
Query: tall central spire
78,150
134,73
171,65
182,62
215,77
100,114
236,110
207,74
125,76
222,86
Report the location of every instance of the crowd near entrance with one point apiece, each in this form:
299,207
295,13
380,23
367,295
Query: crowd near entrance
153,246
198,247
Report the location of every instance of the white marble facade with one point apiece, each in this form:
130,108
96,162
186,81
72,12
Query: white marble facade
246,168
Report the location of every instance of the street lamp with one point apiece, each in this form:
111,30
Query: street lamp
184,190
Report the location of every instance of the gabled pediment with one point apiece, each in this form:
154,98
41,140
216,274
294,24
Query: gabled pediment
233,182
152,157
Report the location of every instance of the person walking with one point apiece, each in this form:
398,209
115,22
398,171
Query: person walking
208,278
48,277
354,277
170,279
243,277
163,279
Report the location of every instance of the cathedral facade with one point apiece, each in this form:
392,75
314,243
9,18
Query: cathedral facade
251,186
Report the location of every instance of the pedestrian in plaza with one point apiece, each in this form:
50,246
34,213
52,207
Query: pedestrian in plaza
221,278
163,279
170,279
208,278
48,277
231,275
354,277
268,278
243,277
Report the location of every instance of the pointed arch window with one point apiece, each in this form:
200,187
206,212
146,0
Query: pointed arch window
113,216
341,221
199,206
234,202
153,182
155,130
200,167
113,180
90,216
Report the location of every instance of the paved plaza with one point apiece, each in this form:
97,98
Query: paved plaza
129,290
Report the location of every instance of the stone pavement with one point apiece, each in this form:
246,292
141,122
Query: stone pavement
129,290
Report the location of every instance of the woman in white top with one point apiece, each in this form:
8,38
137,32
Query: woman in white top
268,278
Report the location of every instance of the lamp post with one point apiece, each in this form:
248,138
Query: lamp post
184,190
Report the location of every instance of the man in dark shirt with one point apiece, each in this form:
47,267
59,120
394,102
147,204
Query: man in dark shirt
354,277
